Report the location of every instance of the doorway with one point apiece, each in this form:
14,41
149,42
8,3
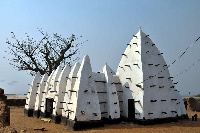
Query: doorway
131,110
49,107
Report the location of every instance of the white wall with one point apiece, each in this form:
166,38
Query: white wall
130,73
60,90
39,92
44,93
68,89
85,104
31,96
112,97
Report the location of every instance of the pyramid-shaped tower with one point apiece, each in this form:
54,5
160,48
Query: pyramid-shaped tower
59,96
39,95
84,99
31,96
148,90
68,92
43,111
111,98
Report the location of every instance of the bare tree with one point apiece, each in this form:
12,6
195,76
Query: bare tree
45,55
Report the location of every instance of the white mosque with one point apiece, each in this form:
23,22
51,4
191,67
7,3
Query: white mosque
140,91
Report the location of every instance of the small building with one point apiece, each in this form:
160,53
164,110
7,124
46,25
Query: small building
140,91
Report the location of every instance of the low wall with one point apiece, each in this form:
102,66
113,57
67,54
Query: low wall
15,102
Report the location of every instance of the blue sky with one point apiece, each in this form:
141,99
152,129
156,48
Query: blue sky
108,25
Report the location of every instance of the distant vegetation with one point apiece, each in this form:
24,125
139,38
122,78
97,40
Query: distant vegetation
197,95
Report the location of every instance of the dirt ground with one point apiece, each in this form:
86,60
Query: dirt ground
28,124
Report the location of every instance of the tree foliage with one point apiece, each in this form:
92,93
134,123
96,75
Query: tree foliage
45,55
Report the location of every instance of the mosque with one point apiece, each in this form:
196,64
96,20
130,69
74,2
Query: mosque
141,91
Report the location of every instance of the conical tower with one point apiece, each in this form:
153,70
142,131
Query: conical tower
59,97
69,91
112,102
31,96
148,91
39,95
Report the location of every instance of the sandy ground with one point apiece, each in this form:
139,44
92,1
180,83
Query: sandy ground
20,122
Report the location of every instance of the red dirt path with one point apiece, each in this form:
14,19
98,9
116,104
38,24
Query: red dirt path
20,122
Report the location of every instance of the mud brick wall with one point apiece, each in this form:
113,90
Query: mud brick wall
4,110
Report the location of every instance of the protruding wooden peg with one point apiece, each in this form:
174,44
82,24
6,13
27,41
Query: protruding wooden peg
124,55
127,65
135,64
138,85
128,78
161,86
151,77
95,114
173,99
153,44
152,85
157,64
150,64
147,52
164,112
120,67
160,54
134,36
153,100
101,81
146,35
146,42
137,52
82,112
